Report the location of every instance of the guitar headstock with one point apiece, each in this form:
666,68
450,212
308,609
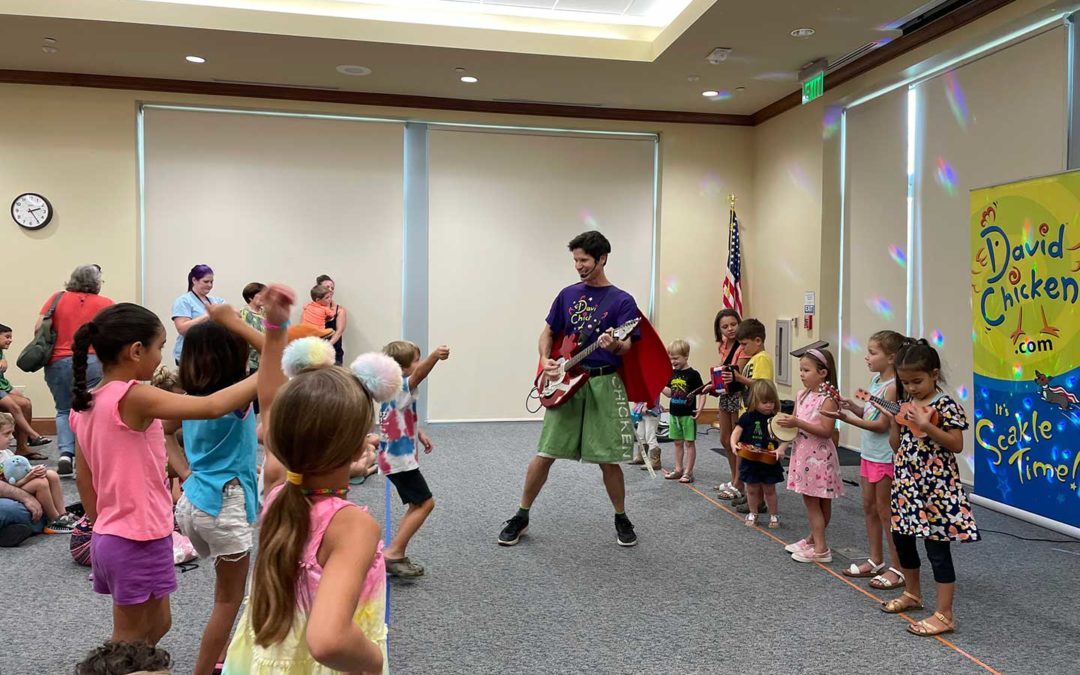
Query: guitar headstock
862,395
623,331
830,391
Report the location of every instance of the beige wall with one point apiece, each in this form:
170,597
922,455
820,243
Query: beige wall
78,148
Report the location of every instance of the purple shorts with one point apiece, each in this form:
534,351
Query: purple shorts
132,572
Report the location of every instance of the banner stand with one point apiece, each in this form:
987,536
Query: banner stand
1026,516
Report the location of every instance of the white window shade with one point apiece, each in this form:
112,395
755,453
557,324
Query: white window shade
274,198
996,120
874,286
503,207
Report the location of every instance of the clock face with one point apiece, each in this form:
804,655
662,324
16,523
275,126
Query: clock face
31,211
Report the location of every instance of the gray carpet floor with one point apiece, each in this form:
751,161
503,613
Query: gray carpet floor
701,593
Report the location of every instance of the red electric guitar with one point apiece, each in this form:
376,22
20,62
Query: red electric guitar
555,392
901,412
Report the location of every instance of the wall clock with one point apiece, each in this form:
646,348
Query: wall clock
31,211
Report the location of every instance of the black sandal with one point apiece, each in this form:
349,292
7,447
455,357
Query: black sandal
38,442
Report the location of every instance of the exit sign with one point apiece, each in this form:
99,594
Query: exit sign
813,88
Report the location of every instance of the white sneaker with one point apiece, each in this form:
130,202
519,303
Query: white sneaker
809,556
800,545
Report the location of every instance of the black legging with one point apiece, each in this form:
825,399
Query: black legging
938,552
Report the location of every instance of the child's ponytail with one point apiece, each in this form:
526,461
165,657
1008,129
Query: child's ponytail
283,536
80,348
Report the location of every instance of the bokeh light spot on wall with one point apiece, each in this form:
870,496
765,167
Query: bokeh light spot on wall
898,255
946,176
880,306
937,338
957,102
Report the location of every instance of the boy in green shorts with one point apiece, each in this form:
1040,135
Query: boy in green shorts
687,402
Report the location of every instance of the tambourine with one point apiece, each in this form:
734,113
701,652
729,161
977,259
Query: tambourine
782,434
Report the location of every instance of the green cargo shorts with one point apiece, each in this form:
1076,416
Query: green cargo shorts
593,426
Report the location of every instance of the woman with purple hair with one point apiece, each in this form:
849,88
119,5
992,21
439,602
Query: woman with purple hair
190,308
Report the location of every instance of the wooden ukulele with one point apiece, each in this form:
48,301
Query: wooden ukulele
903,413
556,391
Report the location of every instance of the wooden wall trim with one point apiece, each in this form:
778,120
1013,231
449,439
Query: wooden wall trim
364,98
902,45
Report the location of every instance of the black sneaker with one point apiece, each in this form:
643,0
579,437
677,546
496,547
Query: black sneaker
14,534
512,530
62,525
63,466
624,529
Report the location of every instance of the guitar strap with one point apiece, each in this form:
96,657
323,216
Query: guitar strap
598,315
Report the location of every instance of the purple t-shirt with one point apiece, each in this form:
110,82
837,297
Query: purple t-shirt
592,310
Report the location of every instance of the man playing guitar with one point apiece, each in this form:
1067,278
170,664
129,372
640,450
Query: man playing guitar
593,425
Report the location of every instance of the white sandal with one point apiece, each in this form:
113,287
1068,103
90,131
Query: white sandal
854,571
751,520
774,522
881,583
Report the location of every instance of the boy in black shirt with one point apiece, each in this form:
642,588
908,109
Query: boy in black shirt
687,401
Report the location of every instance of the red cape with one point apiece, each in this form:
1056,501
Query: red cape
646,368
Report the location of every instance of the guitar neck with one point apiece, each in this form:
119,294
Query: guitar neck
891,406
582,355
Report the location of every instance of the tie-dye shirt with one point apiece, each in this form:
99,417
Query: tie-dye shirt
397,419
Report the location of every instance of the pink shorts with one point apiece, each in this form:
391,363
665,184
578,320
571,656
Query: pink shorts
875,471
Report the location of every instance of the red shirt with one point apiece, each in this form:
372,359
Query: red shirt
73,310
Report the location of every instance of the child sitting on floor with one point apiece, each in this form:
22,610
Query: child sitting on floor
42,483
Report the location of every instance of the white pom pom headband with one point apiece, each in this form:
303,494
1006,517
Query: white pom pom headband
380,375
309,352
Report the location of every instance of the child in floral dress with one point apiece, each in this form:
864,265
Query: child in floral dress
928,500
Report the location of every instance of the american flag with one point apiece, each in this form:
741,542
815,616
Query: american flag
733,279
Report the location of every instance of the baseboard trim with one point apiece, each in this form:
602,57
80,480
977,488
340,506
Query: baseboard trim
46,426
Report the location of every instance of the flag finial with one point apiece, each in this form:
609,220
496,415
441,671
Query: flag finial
731,198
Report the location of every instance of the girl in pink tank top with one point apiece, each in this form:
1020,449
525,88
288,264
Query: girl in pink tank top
120,462
318,594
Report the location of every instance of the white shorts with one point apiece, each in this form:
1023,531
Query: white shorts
646,431
229,535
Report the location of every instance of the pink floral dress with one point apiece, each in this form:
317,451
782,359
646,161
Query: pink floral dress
814,469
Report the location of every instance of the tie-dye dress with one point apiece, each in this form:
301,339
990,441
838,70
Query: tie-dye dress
291,655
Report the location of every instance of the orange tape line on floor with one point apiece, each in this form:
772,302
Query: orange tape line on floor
862,590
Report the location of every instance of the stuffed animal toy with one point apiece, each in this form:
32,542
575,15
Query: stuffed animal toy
15,468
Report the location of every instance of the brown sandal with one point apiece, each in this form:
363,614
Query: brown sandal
673,475
924,629
905,602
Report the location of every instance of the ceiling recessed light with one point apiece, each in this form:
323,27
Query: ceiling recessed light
469,79
710,93
49,41
802,32
195,59
356,71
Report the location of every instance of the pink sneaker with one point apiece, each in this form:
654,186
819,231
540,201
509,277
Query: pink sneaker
800,545
808,556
